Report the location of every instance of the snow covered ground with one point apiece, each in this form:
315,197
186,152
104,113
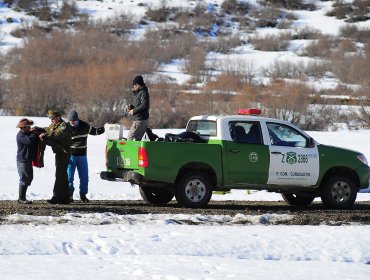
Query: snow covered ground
110,246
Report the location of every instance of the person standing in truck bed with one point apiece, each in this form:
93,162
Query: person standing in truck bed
139,109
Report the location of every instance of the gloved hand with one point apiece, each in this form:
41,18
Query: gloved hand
100,130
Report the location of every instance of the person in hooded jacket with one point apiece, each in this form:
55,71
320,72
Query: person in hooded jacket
27,142
139,109
80,130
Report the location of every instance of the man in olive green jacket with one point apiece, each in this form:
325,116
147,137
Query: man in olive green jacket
58,136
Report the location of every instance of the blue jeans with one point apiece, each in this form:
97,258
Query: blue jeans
25,172
83,172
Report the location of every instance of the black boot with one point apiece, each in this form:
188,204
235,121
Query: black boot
84,199
71,197
22,196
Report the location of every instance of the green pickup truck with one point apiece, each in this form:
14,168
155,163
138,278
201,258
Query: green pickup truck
239,152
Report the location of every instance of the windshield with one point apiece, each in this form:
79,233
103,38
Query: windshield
202,127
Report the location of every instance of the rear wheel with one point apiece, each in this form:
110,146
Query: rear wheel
339,192
298,199
194,190
156,195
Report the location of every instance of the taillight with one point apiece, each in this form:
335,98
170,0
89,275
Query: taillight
143,157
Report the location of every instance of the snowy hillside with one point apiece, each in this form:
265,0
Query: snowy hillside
291,58
108,9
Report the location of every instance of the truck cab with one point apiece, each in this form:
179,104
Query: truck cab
261,150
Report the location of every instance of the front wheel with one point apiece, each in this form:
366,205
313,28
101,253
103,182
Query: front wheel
339,192
156,195
298,199
194,190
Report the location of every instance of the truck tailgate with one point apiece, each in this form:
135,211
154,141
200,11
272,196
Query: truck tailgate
122,154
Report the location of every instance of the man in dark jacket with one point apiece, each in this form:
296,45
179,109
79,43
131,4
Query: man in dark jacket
80,130
58,136
26,152
139,109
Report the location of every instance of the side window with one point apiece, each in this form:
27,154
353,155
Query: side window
246,132
283,135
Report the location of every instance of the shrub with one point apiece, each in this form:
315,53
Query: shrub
352,12
306,33
323,47
267,17
68,10
341,9
234,7
161,14
352,31
284,24
291,4
222,44
168,44
364,113
284,69
286,101
227,83
119,25
171,108
198,20
195,63
317,68
271,42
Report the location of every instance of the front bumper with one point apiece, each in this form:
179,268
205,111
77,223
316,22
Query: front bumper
364,176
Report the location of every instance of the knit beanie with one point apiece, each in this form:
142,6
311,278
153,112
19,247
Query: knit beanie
138,80
72,115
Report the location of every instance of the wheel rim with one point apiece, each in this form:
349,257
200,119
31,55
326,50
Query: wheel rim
195,190
341,191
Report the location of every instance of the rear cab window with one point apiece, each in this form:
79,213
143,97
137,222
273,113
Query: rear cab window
248,132
204,128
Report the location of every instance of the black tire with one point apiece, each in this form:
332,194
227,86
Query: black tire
339,192
156,195
194,190
298,199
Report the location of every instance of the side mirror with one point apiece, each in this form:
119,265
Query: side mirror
310,143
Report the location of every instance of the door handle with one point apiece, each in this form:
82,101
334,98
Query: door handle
234,151
276,153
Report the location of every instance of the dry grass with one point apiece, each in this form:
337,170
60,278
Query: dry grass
91,70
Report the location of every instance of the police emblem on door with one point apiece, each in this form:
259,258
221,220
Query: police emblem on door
291,157
253,157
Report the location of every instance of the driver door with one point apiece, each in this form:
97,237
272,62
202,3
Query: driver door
292,161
